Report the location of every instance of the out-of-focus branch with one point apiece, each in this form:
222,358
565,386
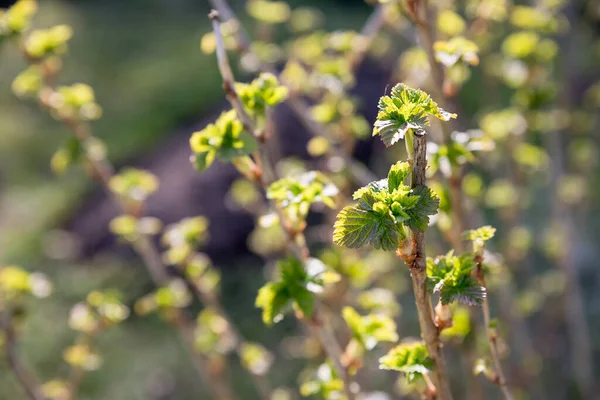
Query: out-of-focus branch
491,334
296,242
578,329
26,378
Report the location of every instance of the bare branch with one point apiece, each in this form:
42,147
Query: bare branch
26,378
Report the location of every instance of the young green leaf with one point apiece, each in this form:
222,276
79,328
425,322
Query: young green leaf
225,140
295,195
384,212
17,18
356,227
296,288
456,49
134,184
483,234
264,91
409,358
323,382
371,329
398,174
406,108
451,276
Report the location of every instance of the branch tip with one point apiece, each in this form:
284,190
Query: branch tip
214,16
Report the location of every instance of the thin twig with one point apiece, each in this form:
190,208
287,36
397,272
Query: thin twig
418,273
492,336
296,242
26,378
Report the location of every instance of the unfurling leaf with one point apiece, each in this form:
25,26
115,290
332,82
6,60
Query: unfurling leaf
385,211
369,330
296,289
410,358
456,49
451,276
406,108
225,140
295,195
484,233
263,92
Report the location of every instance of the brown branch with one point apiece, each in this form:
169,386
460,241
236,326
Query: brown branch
26,378
418,272
491,334
296,242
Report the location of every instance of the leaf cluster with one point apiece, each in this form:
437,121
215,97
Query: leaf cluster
134,184
451,276
370,329
295,195
410,358
42,43
213,333
456,49
75,102
174,295
17,18
256,358
183,238
263,92
15,282
406,108
100,310
131,228
324,383
82,356
225,140
385,210
296,288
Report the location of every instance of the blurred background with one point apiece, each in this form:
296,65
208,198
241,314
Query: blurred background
156,86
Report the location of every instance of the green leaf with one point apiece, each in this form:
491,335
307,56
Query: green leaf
371,329
295,195
409,358
463,290
272,298
292,271
426,205
297,287
356,227
452,277
304,299
261,93
225,140
384,211
406,108
398,174
484,233
456,49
